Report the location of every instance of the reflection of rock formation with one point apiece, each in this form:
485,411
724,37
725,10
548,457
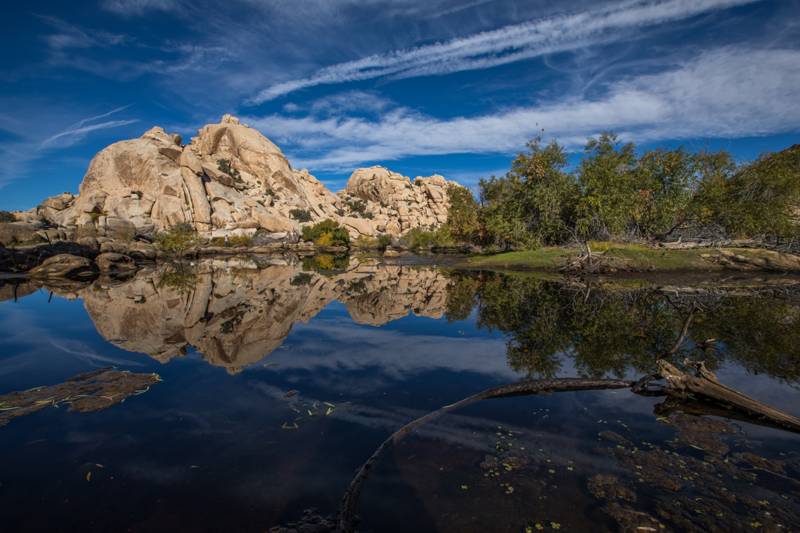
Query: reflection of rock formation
235,314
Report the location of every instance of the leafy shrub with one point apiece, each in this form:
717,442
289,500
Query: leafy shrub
6,216
359,207
177,239
326,233
384,241
300,215
420,239
224,165
233,241
303,278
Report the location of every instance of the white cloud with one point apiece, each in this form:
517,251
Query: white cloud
727,93
505,45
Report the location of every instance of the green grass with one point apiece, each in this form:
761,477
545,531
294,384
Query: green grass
623,256
548,258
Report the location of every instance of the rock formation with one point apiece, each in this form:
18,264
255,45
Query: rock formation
229,180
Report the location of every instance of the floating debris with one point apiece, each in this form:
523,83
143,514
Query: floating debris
84,393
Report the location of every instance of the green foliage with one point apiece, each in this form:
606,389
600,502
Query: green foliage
607,180
178,239
420,239
326,263
326,233
233,241
615,194
384,241
359,207
224,165
300,215
533,204
766,195
381,242
663,179
6,216
462,217
303,278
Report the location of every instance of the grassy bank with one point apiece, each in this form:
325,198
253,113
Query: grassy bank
641,258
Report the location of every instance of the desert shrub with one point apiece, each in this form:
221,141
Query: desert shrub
381,242
300,215
421,239
326,233
177,239
240,240
384,241
359,207
303,278
224,165
6,216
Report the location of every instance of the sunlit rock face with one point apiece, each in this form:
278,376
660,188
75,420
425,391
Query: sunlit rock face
393,203
231,180
236,313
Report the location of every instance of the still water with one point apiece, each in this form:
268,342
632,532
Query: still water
280,379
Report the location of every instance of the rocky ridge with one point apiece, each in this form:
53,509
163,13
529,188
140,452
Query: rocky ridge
228,181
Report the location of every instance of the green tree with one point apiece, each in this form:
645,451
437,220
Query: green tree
608,194
462,216
534,204
663,195
766,195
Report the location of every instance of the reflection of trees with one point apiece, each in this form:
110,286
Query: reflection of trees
611,331
760,333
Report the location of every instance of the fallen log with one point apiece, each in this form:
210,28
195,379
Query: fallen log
704,383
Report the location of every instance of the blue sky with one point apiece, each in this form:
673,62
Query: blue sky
454,87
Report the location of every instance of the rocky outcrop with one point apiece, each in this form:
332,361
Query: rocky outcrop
229,180
381,201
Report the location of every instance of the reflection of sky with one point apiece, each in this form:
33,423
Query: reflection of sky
207,440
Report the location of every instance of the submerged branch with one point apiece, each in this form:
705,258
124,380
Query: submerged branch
353,492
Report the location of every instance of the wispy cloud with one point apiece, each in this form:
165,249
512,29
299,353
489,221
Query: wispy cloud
724,93
80,129
69,36
505,45
139,7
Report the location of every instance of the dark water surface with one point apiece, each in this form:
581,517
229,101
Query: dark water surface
280,381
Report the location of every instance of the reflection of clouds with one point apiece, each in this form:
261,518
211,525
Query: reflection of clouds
333,348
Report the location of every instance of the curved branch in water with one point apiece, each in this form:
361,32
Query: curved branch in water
351,496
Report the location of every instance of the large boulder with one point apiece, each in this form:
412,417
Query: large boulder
20,232
62,266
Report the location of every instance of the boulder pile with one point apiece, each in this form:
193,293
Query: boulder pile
229,181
